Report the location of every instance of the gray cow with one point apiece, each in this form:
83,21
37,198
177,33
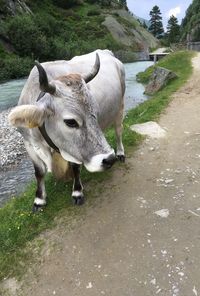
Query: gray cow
63,107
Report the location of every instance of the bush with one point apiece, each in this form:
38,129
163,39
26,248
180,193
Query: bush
93,12
25,35
66,4
14,67
33,36
93,1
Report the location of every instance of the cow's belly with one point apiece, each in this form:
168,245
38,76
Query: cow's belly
109,110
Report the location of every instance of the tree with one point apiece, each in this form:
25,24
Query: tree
173,30
156,26
123,2
144,25
105,3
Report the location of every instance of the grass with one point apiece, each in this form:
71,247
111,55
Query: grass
18,226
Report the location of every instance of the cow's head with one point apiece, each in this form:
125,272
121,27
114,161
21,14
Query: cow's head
70,116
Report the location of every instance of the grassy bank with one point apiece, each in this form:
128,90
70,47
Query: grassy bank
18,226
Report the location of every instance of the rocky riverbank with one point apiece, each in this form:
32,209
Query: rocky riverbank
12,148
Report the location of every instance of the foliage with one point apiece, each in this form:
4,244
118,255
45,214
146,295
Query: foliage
173,30
4,7
93,12
123,3
36,37
18,225
191,21
143,77
156,26
13,67
196,34
67,4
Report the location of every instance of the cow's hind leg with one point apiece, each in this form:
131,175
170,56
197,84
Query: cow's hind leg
77,192
40,171
118,130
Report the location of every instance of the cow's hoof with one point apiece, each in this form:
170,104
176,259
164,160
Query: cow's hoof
121,158
37,208
78,200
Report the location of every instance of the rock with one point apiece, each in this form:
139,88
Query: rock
117,31
160,77
151,129
14,7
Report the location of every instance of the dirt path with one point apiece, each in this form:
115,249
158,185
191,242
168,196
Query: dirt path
122,247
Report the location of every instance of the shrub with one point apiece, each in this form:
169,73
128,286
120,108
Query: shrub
25,35
66,4
14,67
93,1
93,12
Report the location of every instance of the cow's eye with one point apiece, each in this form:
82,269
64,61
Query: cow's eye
71,123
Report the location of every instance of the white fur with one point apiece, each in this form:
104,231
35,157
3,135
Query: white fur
77,193
95,164
39,202
69,158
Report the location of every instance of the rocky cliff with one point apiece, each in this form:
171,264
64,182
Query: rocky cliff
13,7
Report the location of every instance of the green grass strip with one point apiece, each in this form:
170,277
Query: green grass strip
18,226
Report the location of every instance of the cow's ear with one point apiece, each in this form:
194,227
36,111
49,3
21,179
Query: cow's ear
28,116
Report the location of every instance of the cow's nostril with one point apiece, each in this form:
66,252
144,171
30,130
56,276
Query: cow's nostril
109,161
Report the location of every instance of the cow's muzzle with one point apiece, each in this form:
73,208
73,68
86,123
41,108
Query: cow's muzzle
109,161
101,162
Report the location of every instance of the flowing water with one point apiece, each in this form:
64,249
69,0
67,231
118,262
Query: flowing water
9,93
14,181
134,90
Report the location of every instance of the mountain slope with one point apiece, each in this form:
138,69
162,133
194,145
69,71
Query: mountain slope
46,31
191,22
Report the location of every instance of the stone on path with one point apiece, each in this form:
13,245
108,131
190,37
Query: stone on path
150,128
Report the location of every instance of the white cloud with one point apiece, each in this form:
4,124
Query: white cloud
174,11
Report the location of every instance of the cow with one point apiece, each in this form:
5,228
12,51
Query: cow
64,108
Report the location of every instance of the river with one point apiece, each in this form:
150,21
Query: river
9,93
13,181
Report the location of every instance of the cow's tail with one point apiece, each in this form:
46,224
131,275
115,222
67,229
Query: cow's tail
60,167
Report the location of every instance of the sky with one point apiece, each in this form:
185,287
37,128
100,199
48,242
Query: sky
167,7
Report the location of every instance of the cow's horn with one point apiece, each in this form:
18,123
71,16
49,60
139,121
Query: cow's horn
45,86
94,71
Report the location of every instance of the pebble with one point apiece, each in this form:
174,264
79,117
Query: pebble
11,143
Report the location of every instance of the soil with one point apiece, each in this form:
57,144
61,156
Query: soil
142,237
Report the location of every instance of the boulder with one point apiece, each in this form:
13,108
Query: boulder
159,78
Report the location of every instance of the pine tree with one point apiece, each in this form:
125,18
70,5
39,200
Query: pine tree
123,2
144,25
173,30
105,2
156,26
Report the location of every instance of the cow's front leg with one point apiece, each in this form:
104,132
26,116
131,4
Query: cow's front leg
40,171
77,192
40,195
118,131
